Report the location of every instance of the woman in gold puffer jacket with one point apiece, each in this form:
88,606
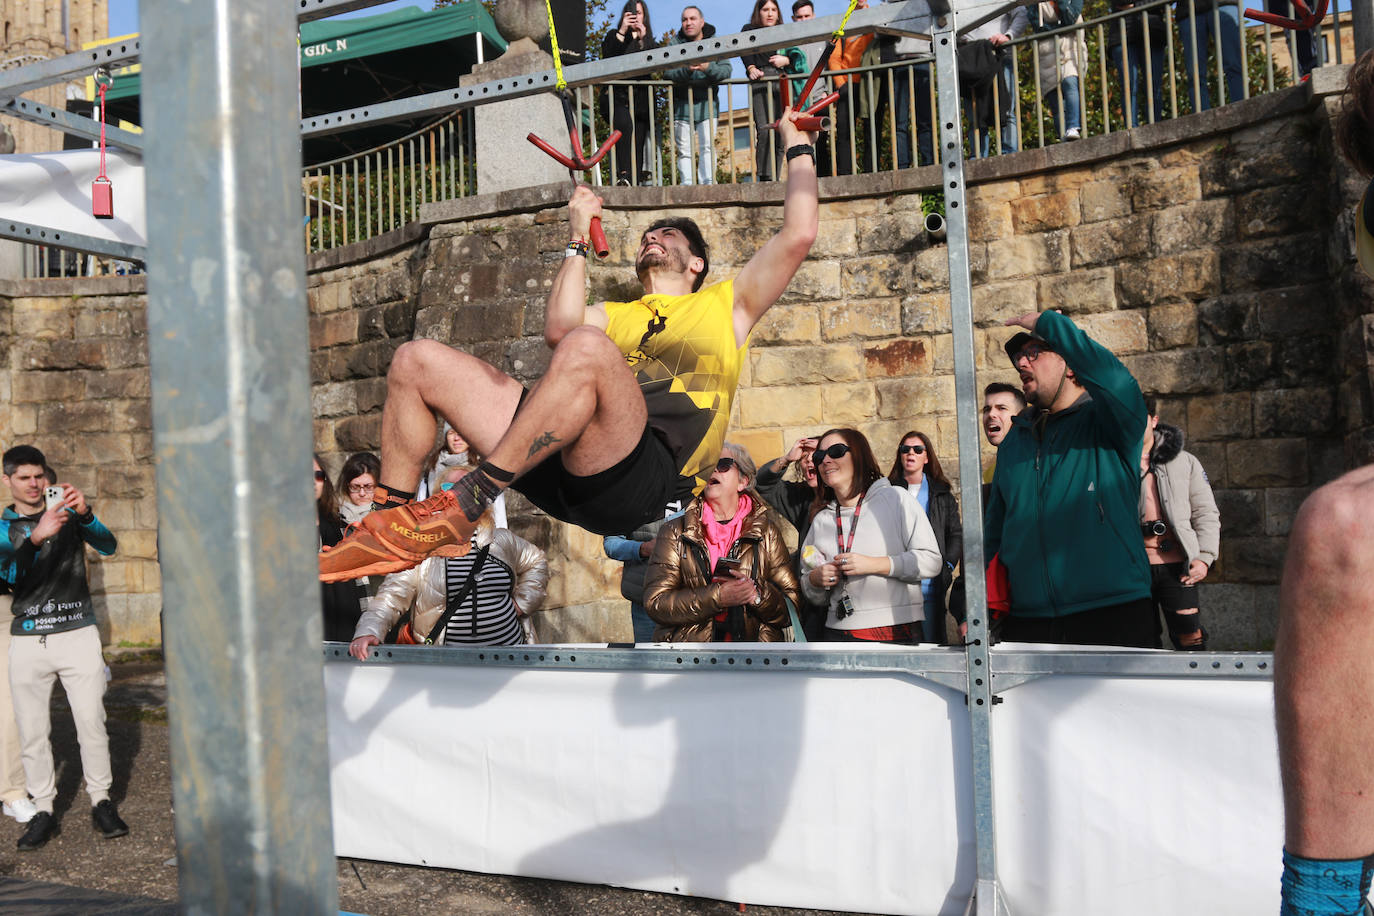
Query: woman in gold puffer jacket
727,522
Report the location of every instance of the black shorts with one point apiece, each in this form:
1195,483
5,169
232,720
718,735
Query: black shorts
615,501
1168,592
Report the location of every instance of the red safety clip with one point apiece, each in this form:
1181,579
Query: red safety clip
1304,17
102,192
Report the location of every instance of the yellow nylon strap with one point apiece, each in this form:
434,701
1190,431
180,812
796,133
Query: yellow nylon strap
559,83
839,33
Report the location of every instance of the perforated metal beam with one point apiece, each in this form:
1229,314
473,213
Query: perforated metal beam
891,18
68,66
74,241
71,123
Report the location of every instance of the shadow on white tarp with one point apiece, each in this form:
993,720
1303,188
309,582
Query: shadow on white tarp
833,791
54,190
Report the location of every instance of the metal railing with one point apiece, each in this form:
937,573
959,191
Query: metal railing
359,197
883,123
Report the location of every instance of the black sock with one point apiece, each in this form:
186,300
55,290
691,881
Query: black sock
385,497
498,474
475,492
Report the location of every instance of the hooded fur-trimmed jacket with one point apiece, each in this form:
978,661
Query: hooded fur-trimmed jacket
680,596
1185,496
425,588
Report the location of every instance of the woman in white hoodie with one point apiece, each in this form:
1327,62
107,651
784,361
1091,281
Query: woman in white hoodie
869,546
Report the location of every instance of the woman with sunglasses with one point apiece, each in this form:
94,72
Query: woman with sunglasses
869,547
720,571
342,601
918,470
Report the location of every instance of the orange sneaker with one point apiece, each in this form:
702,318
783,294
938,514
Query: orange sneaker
390,540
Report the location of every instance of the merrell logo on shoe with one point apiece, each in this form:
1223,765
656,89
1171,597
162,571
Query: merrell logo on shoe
413,535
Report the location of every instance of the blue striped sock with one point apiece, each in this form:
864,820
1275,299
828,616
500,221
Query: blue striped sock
1325,887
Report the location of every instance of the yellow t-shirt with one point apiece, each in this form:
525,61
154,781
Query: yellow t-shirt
682,351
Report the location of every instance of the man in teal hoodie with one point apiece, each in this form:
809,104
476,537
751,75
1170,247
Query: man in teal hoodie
1062,514
694,101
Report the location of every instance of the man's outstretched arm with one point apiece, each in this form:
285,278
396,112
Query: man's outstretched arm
771,268
567,306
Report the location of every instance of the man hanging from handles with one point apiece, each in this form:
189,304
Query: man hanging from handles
630,414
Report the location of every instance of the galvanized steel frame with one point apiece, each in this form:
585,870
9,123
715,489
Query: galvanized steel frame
231,383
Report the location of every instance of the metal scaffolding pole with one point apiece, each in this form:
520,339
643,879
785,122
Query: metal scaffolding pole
987,894
232,424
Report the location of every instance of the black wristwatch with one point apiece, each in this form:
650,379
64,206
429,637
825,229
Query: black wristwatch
801,149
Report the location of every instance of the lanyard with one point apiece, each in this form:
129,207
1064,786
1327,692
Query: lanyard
840,541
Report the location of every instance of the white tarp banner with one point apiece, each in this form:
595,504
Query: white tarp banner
54,190
835,791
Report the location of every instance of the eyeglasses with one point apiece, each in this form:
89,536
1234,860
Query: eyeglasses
361,487
836,451
1031,351
319,475
918,449
725,464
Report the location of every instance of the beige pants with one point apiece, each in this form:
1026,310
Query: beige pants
37,661
11,766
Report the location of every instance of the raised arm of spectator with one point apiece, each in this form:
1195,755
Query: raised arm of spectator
1115,392
772,267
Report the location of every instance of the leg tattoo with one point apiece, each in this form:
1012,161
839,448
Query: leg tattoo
542,442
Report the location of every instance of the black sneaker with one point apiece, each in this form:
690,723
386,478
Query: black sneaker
42,827
107,820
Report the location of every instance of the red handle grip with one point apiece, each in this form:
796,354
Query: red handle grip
599,238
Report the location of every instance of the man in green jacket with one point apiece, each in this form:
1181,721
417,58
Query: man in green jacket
694,101
1063,512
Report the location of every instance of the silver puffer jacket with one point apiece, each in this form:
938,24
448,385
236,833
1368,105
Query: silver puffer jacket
424,588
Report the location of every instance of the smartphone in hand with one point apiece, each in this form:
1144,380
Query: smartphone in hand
53,496
725,568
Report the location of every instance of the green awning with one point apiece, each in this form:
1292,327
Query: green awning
328,41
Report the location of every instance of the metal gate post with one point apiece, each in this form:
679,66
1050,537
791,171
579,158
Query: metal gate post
228,347
987,891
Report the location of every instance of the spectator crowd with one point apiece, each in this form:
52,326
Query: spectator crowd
885,83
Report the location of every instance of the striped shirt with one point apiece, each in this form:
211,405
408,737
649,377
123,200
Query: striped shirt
492,621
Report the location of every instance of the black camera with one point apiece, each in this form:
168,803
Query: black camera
845,608
1158,528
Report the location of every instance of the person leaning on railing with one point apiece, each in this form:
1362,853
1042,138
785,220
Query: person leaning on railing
631,109
1001,32
849,54
1201,24
1141,31
695,106
910,89
1060,61
765,102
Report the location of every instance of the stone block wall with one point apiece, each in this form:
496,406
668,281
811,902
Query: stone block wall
75,383
1207,252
